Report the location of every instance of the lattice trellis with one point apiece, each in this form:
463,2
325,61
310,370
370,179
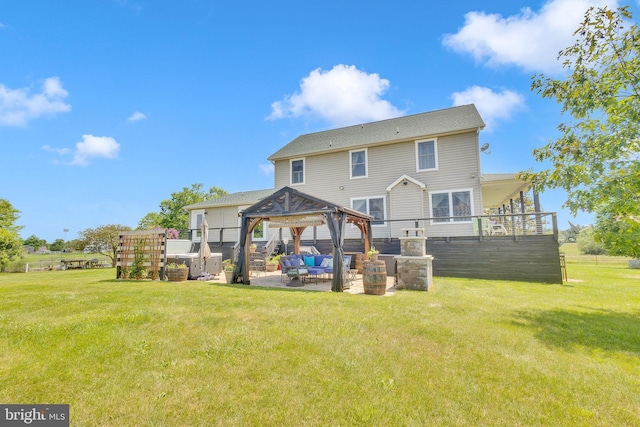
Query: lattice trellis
141,254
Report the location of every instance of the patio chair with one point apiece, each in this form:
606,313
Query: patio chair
290,266
496,228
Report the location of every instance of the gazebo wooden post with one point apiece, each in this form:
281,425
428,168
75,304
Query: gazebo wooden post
296,232
247,243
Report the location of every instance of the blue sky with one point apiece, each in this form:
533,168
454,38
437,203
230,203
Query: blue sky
109,106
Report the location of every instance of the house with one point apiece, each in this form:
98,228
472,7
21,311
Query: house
422,170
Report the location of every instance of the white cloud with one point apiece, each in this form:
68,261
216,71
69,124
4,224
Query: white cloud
266,168
95,147
19,106
493,106
530,40
343,96
59,151
137,116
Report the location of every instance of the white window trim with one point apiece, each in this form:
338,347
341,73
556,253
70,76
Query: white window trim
435,152
304,171
384,207
450,192
366,163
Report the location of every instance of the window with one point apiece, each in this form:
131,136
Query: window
374,206
297,171
454,206
426,155
358,161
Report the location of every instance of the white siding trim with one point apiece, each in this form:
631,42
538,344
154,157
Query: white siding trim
407,178
435,152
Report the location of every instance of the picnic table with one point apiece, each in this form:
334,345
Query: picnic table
70,263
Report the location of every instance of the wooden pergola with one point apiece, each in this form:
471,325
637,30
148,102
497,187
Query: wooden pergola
292,209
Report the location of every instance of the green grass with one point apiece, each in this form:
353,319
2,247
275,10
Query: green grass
472,352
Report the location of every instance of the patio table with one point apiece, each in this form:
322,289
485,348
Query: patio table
297,276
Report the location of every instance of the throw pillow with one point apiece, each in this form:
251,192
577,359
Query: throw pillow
308,260
301,263
327,262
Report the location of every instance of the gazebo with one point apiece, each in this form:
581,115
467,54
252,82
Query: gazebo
292,209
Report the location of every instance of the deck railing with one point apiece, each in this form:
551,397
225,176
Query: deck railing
493,225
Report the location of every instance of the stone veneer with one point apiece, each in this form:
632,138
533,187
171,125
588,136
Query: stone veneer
414,266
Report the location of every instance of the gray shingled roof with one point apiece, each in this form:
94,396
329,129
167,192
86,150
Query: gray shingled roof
233,199
449,120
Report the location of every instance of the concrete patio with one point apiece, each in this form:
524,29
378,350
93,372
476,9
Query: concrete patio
277,280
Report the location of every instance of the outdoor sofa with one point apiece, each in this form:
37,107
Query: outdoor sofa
316,265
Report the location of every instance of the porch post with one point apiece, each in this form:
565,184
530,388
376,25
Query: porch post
536,207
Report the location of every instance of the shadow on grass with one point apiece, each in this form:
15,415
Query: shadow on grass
598,329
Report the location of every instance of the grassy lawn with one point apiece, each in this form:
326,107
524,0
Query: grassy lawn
473,352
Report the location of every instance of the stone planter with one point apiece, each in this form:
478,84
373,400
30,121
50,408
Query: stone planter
177,274
373,256
634,263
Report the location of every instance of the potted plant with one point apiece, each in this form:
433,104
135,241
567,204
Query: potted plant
272,263
228,272
372,254
177,272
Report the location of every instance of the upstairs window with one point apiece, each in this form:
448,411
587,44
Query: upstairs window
373,206
426,155
358,162
454,206
297,171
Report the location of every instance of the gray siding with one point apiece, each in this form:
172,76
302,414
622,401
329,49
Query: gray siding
327,176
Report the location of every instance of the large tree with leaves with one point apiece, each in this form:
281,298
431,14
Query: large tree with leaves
104,239
10,241
172,213
596,158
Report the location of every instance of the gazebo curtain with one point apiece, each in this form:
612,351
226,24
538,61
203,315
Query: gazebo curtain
240,271
337,221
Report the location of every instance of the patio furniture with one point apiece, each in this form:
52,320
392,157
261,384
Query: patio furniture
257,263
496,228
297,276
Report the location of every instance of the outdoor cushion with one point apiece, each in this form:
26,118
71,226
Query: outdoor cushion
309,261
327,263
287,263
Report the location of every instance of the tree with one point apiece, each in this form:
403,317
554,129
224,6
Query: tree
58,245
34,241
10,241
588,244
620,236
77,244
10,247
596,158
104,239
8,216
172,213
